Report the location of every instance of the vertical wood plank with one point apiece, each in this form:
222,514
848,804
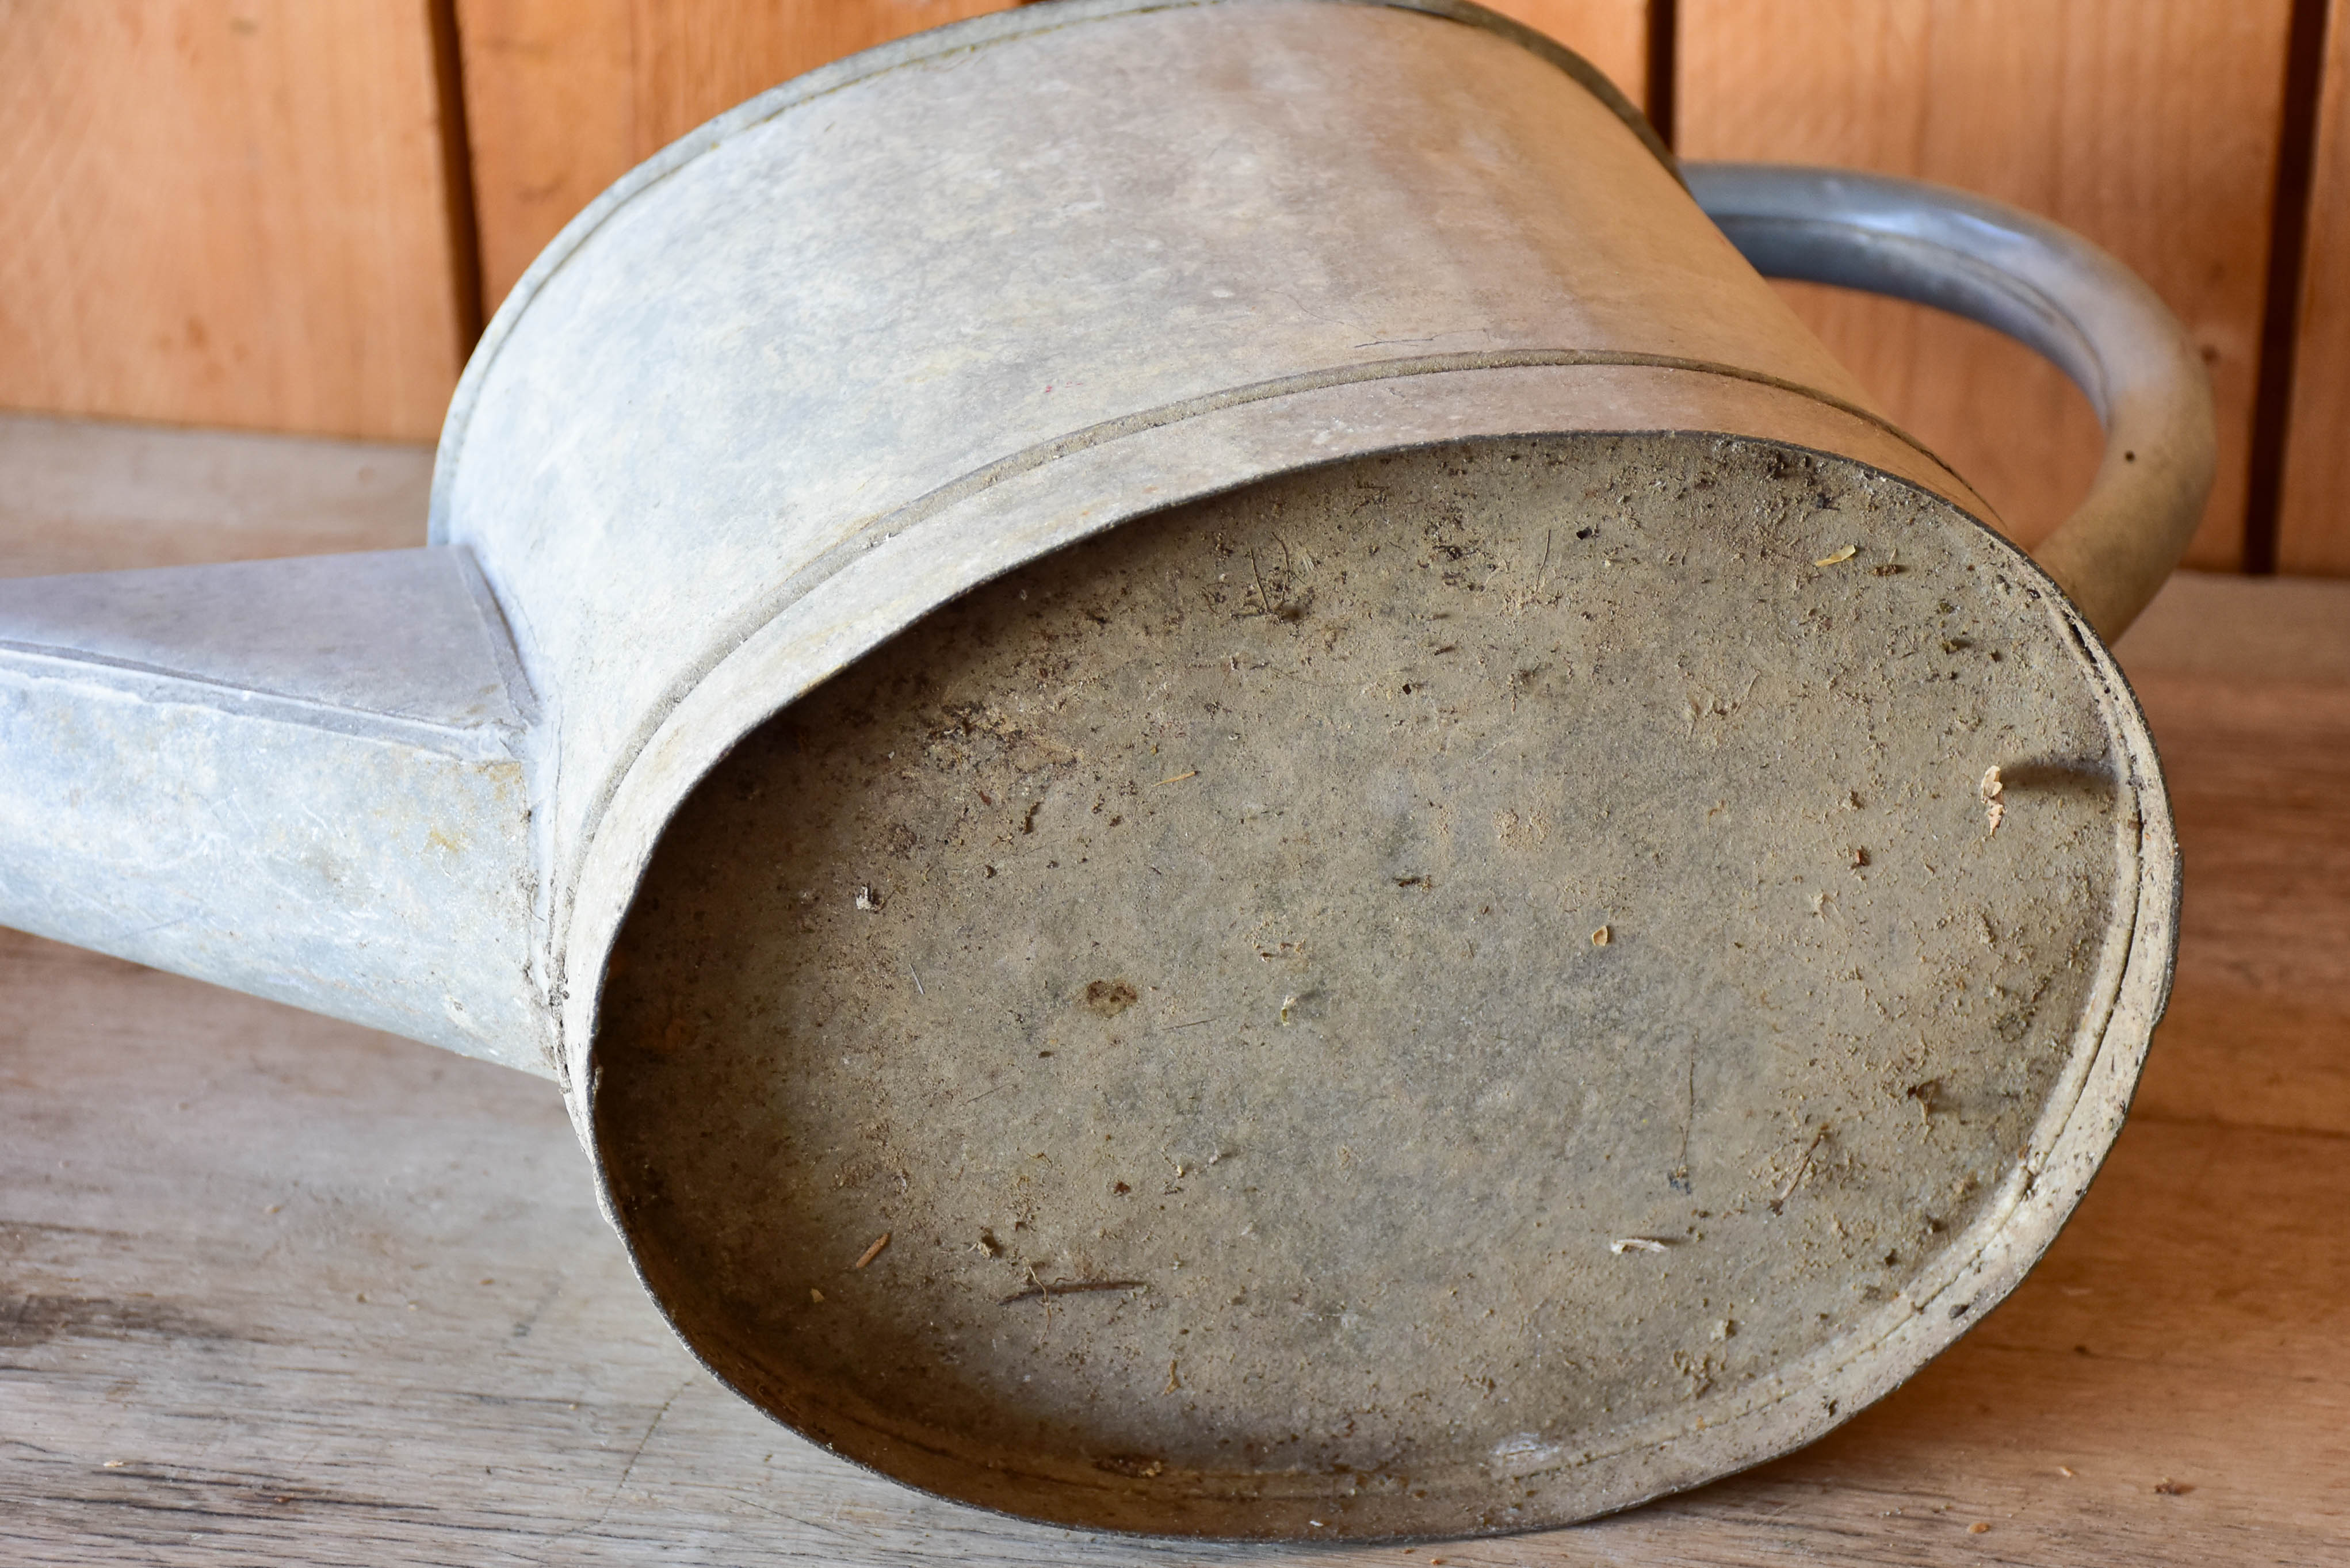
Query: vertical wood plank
2313,511
563,96
226,212
2150,126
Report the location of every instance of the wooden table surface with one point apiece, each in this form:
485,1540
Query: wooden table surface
275,1289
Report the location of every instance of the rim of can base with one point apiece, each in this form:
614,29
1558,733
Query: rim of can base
2083,1117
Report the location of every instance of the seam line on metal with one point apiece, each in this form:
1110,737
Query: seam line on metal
490,740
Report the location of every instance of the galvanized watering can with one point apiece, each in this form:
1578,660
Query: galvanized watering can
1237,799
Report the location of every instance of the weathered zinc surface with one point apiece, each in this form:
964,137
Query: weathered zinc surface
303,779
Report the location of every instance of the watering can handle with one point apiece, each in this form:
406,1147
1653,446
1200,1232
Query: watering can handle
2043,285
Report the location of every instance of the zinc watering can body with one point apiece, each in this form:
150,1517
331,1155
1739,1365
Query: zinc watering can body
1376,420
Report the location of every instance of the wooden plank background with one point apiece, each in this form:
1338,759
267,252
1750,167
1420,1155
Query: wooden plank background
277,214
228,212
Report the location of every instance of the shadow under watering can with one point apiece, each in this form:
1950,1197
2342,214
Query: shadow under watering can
1237,798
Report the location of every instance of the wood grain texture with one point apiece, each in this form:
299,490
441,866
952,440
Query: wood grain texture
275,1290
2313,520
2259,1028
2150,126
226,212
563,96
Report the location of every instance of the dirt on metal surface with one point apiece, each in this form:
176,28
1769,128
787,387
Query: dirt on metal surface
1367,992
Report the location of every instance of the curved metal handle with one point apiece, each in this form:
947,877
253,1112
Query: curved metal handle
2049,289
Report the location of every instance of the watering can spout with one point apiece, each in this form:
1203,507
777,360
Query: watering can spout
305,778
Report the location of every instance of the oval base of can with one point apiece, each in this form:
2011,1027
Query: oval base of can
1452,991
